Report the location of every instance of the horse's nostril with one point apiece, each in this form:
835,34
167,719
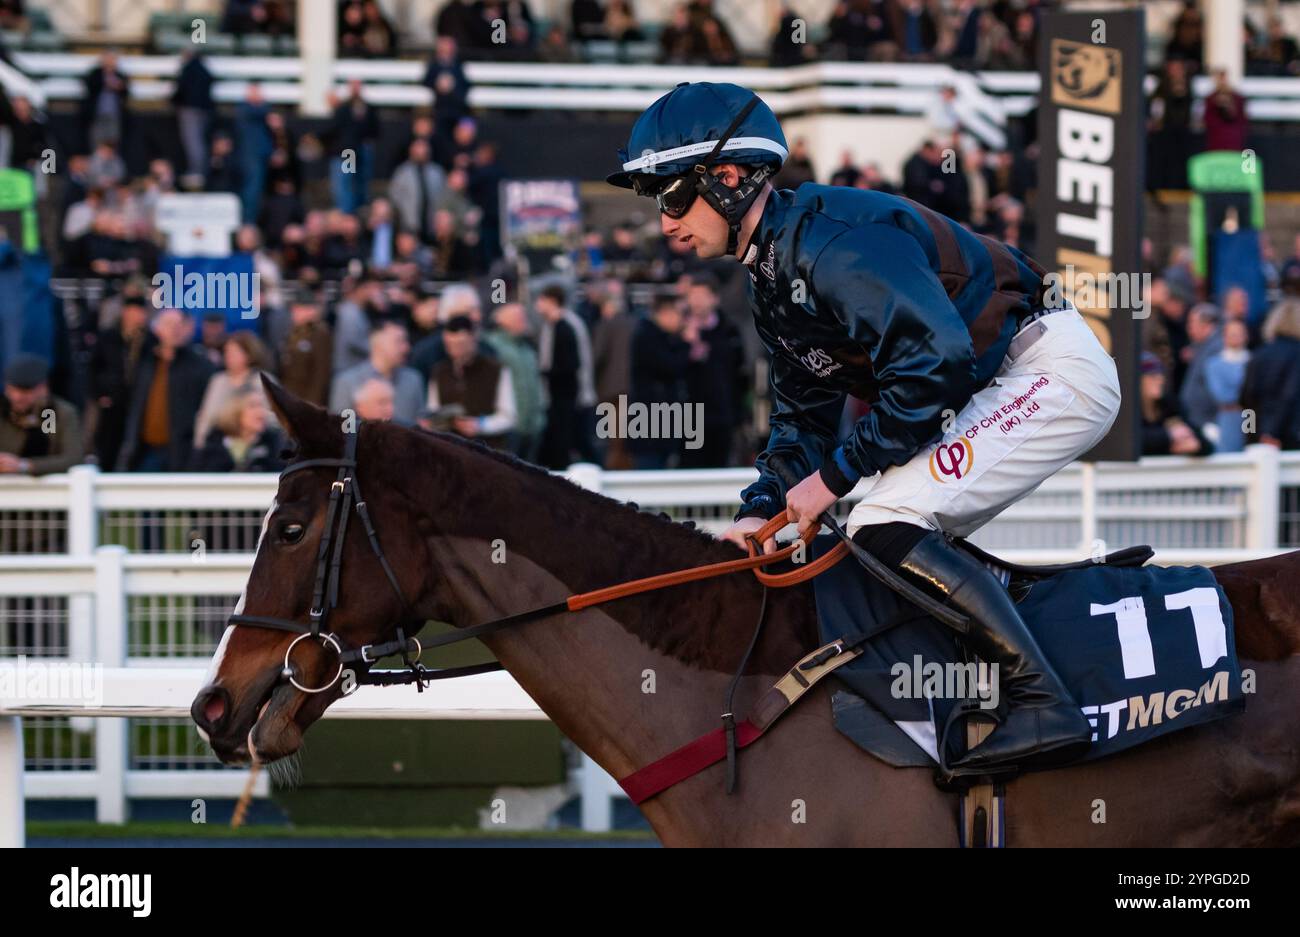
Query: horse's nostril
209,708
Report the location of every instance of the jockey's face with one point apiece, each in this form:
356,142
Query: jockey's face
701,227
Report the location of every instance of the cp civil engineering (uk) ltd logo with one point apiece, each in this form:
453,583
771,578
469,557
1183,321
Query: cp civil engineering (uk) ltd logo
952,460
1086,76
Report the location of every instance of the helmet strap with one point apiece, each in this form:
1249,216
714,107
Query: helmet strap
732,204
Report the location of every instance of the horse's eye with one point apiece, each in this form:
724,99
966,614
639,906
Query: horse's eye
292,533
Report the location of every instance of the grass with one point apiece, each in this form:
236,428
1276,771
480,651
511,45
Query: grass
174,830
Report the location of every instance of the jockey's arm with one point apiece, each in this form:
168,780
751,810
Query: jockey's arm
878,283
804,422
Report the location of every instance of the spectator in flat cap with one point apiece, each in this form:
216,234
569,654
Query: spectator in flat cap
39,434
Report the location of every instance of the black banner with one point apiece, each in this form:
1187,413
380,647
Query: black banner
1091,133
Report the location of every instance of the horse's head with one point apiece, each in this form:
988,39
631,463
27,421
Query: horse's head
271,676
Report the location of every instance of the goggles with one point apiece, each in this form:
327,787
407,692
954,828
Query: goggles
674,198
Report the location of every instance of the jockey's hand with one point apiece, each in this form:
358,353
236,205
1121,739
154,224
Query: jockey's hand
806,502
747,525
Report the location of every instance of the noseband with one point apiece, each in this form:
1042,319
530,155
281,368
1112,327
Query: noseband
345,494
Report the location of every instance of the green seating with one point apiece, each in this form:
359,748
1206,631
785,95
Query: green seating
171,42
171,22
39,21
256,44
220,44
46,40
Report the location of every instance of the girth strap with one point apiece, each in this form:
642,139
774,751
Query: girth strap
709,749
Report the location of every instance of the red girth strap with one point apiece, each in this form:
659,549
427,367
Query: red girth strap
687,761
709,749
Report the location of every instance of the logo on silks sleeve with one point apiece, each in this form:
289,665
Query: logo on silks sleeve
952,460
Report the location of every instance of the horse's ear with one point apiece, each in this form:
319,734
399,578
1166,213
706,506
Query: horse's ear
307,424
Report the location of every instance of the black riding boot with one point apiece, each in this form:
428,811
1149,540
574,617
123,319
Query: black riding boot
1042,715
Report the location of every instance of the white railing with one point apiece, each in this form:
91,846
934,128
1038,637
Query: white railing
128,692
985,100
1224,506
97,589
1213,510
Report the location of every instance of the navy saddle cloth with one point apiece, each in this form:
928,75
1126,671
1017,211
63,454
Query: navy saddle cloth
1144,650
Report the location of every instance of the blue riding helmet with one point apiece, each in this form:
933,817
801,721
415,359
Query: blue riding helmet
695,126
681,129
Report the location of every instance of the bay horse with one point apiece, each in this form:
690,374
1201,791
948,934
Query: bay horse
630,681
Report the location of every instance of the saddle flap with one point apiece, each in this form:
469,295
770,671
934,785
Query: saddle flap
1127,557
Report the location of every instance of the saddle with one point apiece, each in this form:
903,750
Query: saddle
1144,650
1129,556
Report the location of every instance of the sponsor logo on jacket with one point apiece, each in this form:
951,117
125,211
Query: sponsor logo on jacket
816,360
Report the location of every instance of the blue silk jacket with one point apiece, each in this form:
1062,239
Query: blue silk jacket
865,293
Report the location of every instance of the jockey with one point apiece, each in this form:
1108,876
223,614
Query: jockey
977,389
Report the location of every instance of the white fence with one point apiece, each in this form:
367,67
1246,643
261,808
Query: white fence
155,611
131,693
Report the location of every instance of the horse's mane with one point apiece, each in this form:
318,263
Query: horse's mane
647,544
654,523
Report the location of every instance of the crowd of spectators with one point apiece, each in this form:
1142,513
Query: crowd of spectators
379,303
373,293
998,34
165,393
973,33
1219,372
375,279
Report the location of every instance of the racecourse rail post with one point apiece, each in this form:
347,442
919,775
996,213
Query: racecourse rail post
1263,497
1087,506
111,751
82,529
12,819
83,537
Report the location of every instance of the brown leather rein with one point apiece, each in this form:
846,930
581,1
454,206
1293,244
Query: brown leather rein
755,561
583,600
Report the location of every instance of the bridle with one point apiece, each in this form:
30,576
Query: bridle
345,495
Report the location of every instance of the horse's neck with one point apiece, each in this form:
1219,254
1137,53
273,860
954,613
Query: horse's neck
615,679
518,539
